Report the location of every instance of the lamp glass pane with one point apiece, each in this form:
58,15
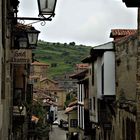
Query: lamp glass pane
23,42
47,6
32,38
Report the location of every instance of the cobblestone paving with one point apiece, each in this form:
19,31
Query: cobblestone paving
57,133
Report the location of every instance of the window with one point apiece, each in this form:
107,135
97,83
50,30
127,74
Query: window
29,94
35,80
81,111
73,123
90,104
94,103
81,92
92,73
18,96
32,70
86,91
3,82
79,115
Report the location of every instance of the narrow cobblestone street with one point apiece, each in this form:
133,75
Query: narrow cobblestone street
57,133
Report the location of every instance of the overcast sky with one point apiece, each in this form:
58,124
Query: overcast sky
86,22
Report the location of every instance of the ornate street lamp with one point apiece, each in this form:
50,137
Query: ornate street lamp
26,36
32,36
23,43
46,8
20,108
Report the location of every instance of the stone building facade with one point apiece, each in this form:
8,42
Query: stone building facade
5,75
124,124
101,90
39,78
117,105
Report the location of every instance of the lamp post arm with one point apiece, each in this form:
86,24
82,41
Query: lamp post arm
31,18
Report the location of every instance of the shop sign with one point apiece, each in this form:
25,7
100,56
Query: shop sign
21,56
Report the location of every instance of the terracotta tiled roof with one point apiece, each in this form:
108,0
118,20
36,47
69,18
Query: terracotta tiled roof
46,100
73,103
23,27
69,109
34,119
40,95
47,79
82,66
125,39
122,32
79,74
39,64
45,91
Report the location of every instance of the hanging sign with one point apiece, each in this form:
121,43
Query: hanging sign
21,56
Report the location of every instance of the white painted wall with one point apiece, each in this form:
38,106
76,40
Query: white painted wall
108,59
99,63
109,73
54,109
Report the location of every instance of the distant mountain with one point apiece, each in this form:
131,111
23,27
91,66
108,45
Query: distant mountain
61,57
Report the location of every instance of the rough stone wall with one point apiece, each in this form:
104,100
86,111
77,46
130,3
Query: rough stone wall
126,56
126,82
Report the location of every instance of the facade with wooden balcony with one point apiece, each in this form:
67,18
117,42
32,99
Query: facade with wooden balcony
101,89
73,129
84,124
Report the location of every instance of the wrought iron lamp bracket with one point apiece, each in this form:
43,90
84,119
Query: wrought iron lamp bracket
40,18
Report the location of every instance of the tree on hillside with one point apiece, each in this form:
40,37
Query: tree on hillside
72,43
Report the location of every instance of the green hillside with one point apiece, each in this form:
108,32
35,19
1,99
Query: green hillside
61,57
